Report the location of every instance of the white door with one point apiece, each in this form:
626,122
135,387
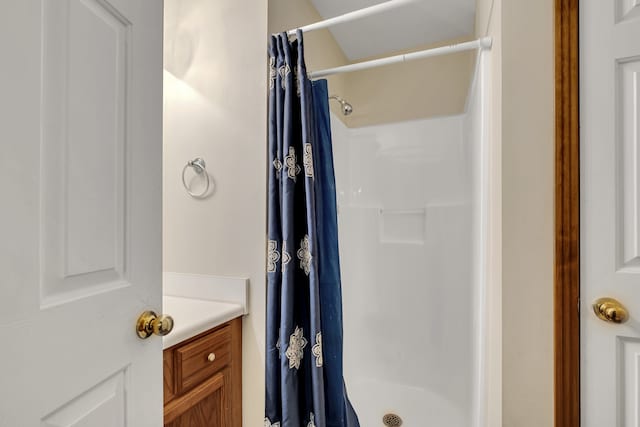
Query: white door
80,221
610,209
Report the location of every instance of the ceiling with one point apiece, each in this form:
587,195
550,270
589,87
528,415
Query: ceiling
415,24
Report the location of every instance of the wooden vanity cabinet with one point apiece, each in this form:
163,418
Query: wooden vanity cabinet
203,379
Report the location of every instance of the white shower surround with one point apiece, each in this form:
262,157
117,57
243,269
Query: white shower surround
413,206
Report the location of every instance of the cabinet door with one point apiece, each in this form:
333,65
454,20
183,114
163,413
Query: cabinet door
207,405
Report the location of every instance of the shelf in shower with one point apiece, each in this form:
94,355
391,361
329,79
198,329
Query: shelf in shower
402,226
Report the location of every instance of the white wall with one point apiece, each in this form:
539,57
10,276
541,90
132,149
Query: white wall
215,107
413,90
521,222
405,242
527,212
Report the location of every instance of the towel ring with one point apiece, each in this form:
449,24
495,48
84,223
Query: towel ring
199,166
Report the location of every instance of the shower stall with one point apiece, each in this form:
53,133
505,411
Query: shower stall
411,212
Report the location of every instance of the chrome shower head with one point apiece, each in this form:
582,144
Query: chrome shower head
346,107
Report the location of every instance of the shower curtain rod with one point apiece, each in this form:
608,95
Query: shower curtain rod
351,16
483,43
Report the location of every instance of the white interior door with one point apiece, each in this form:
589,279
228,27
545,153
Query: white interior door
80,216
610,209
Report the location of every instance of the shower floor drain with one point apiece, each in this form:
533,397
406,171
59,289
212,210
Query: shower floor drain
392,420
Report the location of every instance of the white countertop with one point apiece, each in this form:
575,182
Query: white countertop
193,316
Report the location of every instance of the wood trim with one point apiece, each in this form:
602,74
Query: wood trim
567,216
236,373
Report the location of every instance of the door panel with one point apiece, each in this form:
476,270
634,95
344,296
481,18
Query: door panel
610,209
84,157
80,229
627,10
628,375
628,71
103,405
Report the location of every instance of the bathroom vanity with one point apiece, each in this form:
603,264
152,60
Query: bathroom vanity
203,379
203,355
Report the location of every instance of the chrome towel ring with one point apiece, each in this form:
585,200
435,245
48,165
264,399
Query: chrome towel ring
199,166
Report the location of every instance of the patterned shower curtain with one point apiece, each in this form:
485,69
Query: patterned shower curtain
304,381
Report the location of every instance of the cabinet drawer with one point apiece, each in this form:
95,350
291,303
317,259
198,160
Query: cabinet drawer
200,359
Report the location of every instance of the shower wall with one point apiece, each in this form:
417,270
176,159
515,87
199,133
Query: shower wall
408,238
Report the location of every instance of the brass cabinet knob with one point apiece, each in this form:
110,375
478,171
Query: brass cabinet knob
610,310
149,323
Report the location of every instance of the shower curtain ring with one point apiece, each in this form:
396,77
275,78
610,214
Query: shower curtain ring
199,166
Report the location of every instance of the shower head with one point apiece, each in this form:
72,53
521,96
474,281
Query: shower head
346,107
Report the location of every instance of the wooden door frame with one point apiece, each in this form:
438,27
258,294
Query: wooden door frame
567,216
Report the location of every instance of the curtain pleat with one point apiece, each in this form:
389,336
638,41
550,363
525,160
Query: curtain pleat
304,370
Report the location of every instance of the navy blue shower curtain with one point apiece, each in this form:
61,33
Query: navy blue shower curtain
304,378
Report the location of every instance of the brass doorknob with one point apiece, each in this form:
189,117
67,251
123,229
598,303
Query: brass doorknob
150,323
610,310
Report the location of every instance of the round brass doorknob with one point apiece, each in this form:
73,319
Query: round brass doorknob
149,323
610,310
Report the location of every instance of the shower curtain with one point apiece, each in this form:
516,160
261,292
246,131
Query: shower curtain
304,381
